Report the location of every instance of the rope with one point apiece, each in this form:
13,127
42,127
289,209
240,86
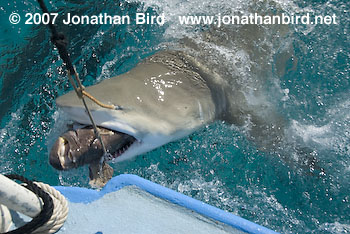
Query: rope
53,213
59,40
61,43
44,214
60,212
81,92
92,98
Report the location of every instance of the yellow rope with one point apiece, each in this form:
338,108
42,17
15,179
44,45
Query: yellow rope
81,92
92,98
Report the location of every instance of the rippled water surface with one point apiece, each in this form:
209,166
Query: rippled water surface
217,164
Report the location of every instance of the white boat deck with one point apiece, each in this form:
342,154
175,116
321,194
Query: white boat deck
132,210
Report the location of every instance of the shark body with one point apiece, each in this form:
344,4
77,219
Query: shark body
164,98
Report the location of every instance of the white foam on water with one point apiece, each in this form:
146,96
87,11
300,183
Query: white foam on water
8,137
335,132
335,227
173,9
339,117
330,139
317,134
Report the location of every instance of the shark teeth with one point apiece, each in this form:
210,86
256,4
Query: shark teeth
122,149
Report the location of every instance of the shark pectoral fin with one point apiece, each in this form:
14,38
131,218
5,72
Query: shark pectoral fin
98,178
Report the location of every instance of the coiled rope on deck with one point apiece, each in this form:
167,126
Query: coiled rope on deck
60,211
54,210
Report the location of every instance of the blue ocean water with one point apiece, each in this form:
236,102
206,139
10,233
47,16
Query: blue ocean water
218,164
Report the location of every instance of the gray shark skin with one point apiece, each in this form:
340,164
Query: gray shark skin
164,98
173,93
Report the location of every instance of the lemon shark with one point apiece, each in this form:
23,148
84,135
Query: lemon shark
164,98
170,95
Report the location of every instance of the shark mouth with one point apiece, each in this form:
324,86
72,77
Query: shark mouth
78,147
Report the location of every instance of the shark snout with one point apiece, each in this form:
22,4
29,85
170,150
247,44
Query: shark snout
76,148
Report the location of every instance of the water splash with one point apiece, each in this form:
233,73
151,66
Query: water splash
217,164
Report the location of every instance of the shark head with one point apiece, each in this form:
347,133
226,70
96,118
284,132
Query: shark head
159,104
